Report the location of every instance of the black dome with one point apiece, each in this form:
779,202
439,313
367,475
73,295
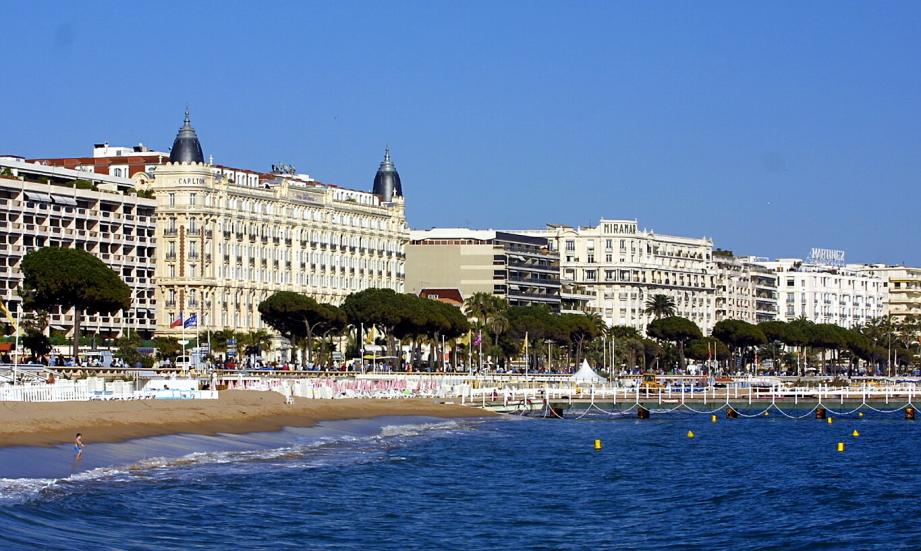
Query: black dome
186,147
387,180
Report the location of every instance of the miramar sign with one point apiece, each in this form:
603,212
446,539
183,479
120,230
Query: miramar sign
826,256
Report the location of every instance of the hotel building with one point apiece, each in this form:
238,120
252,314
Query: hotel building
42,206
520,268
227,238
618,267
841,295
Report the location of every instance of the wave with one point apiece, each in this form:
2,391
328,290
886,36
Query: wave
319,452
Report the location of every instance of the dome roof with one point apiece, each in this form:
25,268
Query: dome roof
387,180
186,147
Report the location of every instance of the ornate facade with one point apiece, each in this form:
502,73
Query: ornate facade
229,239
621,266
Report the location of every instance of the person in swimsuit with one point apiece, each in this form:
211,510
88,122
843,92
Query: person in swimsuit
79,445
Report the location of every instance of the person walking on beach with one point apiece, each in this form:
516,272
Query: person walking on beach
79,445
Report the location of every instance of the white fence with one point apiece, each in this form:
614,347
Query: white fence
95,389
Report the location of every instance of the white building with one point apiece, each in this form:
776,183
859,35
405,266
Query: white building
621,267
904,285
822,293
43,206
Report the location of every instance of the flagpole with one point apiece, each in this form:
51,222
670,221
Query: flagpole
527,359
16,351
208,329
480,335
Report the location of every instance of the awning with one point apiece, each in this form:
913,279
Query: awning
61,200
40,197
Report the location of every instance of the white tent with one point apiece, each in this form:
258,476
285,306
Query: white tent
586,375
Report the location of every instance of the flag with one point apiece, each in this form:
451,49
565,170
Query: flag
478,339
9,316
176,323
191,322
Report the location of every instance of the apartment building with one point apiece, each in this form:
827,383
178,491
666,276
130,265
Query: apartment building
43,205
903,283
520,268
744,290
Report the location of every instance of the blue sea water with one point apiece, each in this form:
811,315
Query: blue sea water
506,483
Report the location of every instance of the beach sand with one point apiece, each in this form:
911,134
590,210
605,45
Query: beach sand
236,411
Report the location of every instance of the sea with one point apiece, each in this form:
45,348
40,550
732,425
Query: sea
489,483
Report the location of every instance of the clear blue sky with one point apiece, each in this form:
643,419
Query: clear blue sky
771,128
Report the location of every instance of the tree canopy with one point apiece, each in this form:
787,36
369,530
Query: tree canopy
72,278
660,306
674,329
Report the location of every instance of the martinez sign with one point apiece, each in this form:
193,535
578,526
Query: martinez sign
826,256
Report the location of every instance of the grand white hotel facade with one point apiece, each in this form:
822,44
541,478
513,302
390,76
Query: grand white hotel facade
216,240
620,266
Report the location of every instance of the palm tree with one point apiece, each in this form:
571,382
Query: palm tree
479,306
660,306
255,342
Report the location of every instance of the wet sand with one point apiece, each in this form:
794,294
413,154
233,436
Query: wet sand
236,411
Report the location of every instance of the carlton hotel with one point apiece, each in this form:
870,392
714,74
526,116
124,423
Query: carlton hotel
219,240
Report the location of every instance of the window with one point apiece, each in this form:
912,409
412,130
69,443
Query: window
193,199
570,245
172,199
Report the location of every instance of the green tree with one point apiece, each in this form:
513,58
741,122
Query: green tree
707,348
167,347
660,306
383,308
72,278
738,334
298,317
677,330
128,349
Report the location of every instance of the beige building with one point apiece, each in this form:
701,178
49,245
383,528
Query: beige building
517,267
904,289
228,239
621,266
42,206
744,290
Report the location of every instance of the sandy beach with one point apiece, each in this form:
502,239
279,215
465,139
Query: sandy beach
237,411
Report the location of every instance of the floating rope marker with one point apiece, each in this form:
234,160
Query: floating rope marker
713,418
840,446
597,444
855,434
690,434
829,420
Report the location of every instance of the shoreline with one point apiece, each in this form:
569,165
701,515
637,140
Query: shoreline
234,412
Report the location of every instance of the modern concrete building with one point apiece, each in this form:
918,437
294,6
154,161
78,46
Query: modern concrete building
903,301
518,267
825,293
621,266
43,206
744,290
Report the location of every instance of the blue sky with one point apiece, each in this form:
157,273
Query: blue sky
771,127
